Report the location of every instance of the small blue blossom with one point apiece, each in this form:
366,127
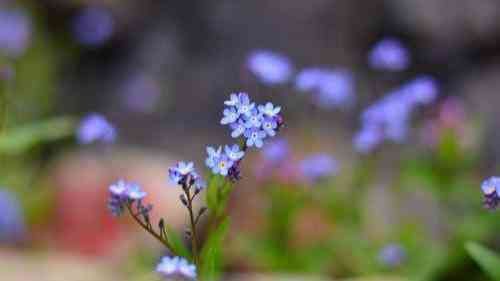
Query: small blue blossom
93,26
233,99
15,32
244,106
181,171
200,184
269,67
255,137
491,192
421,90
269,126
392,255
223,165
233,152
176,268
238,129
269,109
135,192
389,54
253,119
121,193
12,224
317,167
96,128
367,140
213,156
230,116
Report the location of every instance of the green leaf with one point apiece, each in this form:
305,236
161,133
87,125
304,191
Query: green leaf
211,257
487,259
18,140
177,243
214,184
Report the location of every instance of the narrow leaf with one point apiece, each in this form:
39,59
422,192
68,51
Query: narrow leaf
487,259
211,256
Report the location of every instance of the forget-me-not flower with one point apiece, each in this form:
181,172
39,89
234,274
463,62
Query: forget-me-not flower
15,32
96,128
491,192
234,152
255,137
93,26
176,268
389,54
230,116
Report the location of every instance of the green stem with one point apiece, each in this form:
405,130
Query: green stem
194,241
151,231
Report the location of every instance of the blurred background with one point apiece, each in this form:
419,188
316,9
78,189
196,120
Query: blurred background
322,201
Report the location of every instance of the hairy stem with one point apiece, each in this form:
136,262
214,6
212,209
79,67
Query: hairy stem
194,241
150,230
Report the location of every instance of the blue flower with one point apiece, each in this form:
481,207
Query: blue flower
389,54
96,128
269,109
491,192
233,152
223,165
12,224
93,26
269,67
255,137
253,119
213,156
233,99
392,255
367,139
181,171
176,268
184,168
269,125
244,106
238,129
135,192
121,193
200,184
230,116
317,167
15,32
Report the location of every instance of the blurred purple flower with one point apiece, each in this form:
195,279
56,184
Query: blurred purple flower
330,87
491,192
121,193
15,32
276,151
389,54
392,255
96,128
141,93
93,26
317,167
421,90
176,268
12,224
269,67
389,118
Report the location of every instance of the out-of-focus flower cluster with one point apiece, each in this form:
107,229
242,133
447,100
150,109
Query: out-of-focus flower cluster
184,174
93,26
176,268
389,118
392,255
15,32
389,54
95,128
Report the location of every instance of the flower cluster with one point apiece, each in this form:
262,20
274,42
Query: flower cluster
389,118
96,128
176,268
269,67
225,163
184,174
12,225
15,32
93,26
491,192
253,122
330,87
389,54
123,193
